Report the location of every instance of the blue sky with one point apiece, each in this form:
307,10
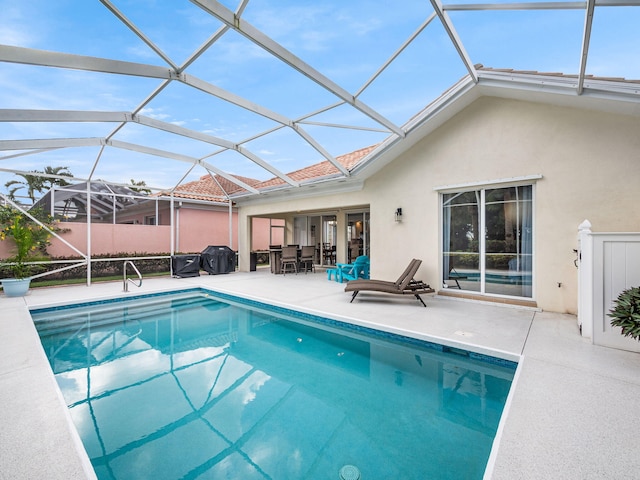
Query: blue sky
345,41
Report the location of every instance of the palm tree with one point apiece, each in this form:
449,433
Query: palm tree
140,186
35,183
49,182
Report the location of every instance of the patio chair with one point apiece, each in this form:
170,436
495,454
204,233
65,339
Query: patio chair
307,258
329,254
359,269
289,258
404,285
333,272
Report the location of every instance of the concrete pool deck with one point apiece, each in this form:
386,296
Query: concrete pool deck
572,414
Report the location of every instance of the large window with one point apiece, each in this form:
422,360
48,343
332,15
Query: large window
488,240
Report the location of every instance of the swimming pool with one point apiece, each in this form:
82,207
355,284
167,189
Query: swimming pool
202,385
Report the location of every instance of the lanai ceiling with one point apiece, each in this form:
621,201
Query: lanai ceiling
166,91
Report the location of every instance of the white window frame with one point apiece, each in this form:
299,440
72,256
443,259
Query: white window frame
482,187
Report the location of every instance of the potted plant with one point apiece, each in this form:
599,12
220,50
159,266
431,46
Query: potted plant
30,240
626,313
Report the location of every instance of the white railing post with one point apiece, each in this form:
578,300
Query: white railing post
585,279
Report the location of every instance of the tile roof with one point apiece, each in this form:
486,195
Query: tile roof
322,169
207,189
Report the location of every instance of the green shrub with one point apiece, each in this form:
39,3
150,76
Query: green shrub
29,240
626,313
99,269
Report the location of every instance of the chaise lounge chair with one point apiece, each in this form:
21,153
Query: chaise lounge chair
404,285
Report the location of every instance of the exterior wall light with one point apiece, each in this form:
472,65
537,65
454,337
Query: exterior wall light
398,214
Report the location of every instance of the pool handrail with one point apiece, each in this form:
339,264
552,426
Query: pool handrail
125,279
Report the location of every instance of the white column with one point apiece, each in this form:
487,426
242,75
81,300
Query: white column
230,222
89,249
172,217
585,279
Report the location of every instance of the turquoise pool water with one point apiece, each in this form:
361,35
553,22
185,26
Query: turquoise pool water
196,385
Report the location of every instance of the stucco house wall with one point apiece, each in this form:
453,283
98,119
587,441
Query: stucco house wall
589,168
199,228
587,160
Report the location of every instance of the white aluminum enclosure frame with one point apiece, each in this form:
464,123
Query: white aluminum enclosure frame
231,20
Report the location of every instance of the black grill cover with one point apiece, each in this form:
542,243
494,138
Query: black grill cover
218,259
185,265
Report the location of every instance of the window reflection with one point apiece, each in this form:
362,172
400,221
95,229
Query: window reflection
190,386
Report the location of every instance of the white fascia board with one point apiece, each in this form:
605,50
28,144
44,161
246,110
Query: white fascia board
435,114
334,187
535,81
627,91
621,97
617,89
443,103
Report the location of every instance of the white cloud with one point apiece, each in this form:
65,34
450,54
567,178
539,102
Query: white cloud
142,51
154,113
14,25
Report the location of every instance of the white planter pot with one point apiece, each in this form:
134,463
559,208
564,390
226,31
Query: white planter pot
16,287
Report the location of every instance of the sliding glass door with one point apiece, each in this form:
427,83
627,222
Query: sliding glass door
461,248
358,239
488,240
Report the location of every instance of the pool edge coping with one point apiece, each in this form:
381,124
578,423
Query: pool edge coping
347,320
491,352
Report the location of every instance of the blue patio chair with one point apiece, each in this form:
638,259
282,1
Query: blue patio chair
359,269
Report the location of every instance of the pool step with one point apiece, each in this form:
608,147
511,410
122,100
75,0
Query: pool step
71,319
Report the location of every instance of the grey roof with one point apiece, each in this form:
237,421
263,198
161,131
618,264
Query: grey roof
71,200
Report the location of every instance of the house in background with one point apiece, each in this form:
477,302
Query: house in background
198,219
126,221
488,188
